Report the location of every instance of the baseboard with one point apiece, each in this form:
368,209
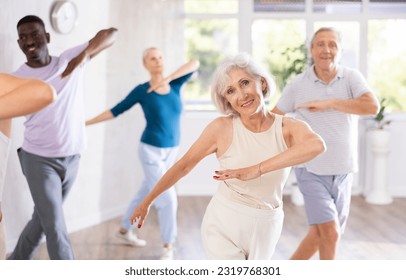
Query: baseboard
394,191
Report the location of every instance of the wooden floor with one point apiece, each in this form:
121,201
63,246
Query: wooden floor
374,232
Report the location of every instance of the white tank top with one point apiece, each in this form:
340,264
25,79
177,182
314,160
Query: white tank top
249,148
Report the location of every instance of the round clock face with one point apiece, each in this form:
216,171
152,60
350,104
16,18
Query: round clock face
64,16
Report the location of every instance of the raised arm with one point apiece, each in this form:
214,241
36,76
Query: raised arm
205,145
106,115
20,97
186,68
303,145
103,39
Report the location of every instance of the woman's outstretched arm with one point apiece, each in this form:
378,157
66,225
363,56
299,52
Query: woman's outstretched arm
19,97
186,68
106,115
205,145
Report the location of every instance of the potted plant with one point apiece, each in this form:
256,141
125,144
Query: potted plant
377,134
295,62
380,117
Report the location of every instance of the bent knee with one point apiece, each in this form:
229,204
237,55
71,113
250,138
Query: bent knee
329,231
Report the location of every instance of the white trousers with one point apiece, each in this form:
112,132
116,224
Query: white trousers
233,231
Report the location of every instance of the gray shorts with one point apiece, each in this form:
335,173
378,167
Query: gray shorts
327,197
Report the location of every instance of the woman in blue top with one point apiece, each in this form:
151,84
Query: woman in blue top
161,103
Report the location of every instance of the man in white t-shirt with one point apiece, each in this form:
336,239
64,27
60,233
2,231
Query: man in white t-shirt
54,138
329,97
17,97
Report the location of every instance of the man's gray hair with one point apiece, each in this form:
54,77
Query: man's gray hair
326,29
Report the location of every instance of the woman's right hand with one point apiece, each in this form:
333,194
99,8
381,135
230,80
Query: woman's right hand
243,174
140,213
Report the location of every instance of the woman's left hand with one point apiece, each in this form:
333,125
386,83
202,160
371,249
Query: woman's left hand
242,174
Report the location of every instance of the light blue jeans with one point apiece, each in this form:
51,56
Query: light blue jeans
155,162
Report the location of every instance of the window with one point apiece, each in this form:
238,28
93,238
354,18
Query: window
211,6
387,6
209,41
211,34
337,6
279,6
387,61
279,46
276,33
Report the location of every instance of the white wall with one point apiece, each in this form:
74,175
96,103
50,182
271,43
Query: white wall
200,180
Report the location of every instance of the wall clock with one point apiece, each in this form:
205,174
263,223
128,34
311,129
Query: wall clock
64,16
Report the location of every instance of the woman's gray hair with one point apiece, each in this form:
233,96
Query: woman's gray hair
146,52
220,80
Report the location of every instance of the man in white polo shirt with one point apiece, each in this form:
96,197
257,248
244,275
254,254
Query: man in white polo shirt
329,97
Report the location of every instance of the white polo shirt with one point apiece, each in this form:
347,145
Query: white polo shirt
339,130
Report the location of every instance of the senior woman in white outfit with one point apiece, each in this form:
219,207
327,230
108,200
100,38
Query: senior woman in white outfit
255,149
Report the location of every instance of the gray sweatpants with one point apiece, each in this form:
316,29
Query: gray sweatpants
49,180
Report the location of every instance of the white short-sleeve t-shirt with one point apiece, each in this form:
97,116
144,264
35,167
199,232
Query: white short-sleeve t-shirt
58,130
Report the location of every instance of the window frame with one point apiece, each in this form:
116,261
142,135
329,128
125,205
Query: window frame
246,16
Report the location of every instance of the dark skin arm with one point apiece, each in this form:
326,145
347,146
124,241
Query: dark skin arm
103,39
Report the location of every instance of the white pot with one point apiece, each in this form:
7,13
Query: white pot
379,139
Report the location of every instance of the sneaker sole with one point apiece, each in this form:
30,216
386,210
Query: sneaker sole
127,242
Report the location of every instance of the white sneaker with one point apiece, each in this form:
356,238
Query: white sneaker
131,239
167,254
